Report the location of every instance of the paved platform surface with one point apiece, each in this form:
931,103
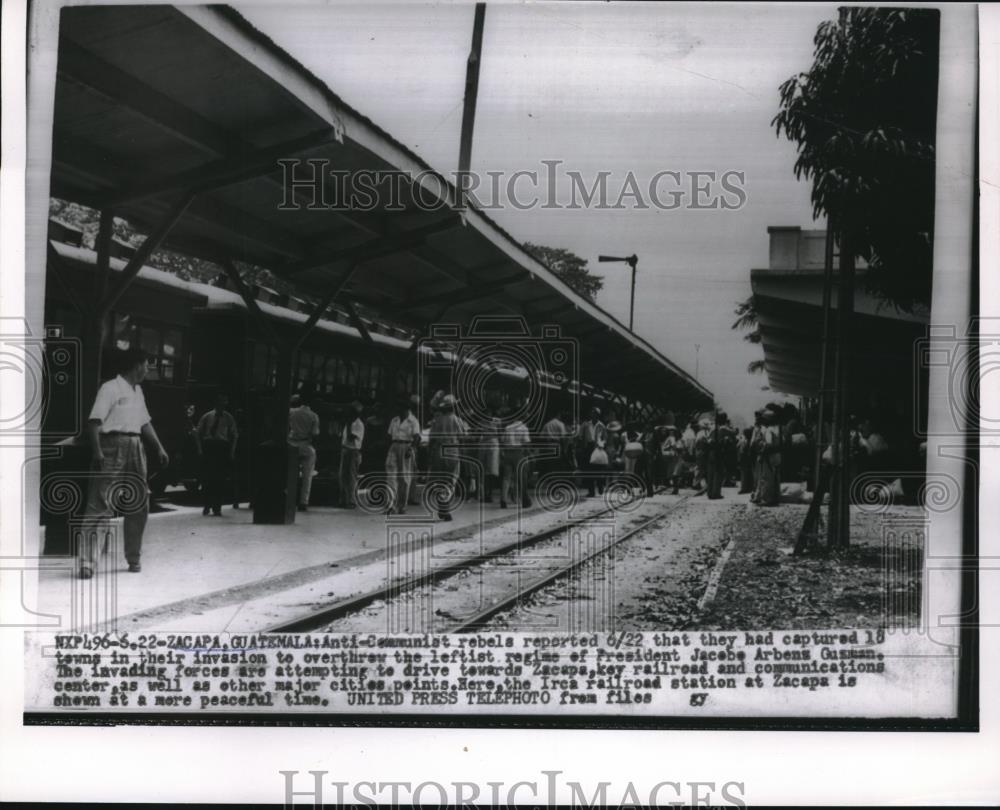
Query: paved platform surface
191,564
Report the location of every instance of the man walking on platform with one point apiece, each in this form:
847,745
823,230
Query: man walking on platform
591,438
555,436
744,455
515,454
718,441
401,460
415,409
118,423
445,437
303,425
216,437
351,440
649,464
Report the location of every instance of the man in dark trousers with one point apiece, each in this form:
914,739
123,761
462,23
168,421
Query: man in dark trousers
303,428
117,426
216,436
351,441
719,438
591,436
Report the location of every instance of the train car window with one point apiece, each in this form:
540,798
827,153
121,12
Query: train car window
123,332
66,318
259,364
308,361
272,366
329,373
316,372
172,343
149,341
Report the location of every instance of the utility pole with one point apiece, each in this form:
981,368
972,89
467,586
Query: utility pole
469,105
631,261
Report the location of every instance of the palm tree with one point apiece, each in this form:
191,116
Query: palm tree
746,318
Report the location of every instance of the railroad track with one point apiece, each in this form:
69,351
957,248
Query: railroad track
510,601
343,608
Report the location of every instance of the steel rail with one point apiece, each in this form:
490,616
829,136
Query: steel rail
507,602
352,604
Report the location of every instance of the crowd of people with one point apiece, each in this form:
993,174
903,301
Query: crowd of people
500,458
500,455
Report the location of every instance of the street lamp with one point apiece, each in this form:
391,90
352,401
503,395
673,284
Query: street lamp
631,261
697,350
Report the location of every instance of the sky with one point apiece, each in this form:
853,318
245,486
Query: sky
601,87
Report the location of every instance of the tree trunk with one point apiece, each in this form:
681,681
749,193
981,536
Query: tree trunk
809,534
839,535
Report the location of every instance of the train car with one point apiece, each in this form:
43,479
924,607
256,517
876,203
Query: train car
155,314
202,340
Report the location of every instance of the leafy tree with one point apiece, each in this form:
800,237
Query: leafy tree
864,119
569,267
189,268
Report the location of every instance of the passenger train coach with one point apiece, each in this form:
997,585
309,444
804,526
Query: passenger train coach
201,340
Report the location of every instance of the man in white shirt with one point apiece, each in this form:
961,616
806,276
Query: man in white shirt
590,435
555,436
118,423
404,437
303,425
515,444
874,444
351,439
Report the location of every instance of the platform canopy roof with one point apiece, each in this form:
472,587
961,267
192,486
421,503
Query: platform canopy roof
180,115
789,307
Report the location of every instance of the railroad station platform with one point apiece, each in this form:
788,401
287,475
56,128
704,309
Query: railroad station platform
201,571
